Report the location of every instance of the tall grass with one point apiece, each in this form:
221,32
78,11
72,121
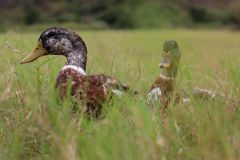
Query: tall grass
34,126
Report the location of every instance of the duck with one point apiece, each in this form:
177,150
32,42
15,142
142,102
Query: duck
163,87
92,90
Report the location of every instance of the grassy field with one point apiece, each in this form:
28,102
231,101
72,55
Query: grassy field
34,126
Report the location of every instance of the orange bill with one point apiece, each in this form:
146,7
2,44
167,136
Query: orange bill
166,60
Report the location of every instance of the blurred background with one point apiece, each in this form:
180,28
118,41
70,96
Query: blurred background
37,15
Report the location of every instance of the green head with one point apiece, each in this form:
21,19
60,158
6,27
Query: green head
171,58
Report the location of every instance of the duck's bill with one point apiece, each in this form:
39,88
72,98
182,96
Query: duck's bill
165,63
38,52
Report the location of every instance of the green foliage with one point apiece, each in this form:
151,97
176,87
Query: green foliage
198,14
157,15
234,9
2,27
228,18
120,17
201,14
66,18
125,14
31,17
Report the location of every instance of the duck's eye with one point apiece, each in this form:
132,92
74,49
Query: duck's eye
51,34
37,48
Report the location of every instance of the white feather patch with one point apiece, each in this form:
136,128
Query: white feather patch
209,92
186,100
80,70
117,92
154,94
164,77
104,91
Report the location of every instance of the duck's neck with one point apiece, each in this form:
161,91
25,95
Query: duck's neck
167,78
167,83
76,59
170,72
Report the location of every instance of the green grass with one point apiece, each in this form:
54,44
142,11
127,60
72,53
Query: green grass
34,126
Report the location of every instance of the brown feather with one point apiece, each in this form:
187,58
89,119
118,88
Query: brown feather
94,89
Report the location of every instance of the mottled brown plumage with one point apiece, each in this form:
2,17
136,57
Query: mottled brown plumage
93,87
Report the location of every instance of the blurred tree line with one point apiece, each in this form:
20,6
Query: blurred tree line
121,13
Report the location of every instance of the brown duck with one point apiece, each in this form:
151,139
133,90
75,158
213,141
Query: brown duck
164,85
93,89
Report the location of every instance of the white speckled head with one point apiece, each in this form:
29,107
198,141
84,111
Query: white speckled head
61,41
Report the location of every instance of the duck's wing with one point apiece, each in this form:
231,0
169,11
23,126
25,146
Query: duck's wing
112,82
198,93
90,87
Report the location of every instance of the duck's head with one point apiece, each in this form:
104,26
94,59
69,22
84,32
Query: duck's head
170,54
171,59
60,41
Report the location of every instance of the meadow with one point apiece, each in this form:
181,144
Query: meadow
34,126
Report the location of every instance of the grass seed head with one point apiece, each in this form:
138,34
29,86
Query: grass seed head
8,45
16,51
